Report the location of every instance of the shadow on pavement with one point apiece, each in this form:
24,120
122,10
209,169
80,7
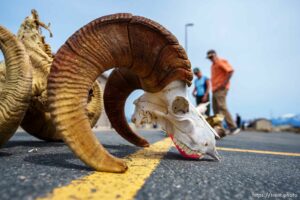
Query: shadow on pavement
176,156
56,160
65,160
32,144
4,154
170,156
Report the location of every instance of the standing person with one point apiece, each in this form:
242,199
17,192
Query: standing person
201,90
221,72
238,120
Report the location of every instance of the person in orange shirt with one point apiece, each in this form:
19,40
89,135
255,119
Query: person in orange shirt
221,72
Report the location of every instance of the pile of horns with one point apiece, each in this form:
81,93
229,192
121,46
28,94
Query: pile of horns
57,97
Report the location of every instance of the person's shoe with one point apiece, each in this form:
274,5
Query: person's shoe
233,131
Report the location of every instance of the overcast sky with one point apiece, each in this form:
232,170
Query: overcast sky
261,39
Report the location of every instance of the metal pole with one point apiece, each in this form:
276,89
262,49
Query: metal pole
186,36
185,39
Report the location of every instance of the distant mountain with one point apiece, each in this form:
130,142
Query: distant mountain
288,119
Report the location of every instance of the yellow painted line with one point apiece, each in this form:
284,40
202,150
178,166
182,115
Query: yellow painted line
108,186
258,151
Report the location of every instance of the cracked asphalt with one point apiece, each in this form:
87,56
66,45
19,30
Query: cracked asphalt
31,168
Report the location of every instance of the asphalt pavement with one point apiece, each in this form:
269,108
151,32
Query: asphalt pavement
31,168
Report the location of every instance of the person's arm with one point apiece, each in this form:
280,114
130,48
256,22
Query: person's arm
228,77
194,91
205,97
229,72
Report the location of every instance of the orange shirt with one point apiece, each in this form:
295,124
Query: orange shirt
219,71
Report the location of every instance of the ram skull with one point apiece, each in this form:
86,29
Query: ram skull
170,108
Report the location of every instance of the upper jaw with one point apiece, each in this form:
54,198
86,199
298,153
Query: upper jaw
185,150
191,152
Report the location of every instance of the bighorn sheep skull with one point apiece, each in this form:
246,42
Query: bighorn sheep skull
170,108
146,56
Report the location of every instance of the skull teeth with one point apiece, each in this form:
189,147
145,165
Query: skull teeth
185,148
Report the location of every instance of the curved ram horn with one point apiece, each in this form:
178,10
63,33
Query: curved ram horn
121,40
39,124
95,103
37,120
15,95
121,82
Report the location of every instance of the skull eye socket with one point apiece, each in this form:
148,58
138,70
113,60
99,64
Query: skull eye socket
180,105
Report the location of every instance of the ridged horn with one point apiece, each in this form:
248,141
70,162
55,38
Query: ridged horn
121,40
119,86
95,103
39,124
15,95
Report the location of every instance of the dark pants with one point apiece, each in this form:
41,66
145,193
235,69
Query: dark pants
199,101
220,106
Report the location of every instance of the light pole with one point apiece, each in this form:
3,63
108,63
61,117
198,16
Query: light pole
186,35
